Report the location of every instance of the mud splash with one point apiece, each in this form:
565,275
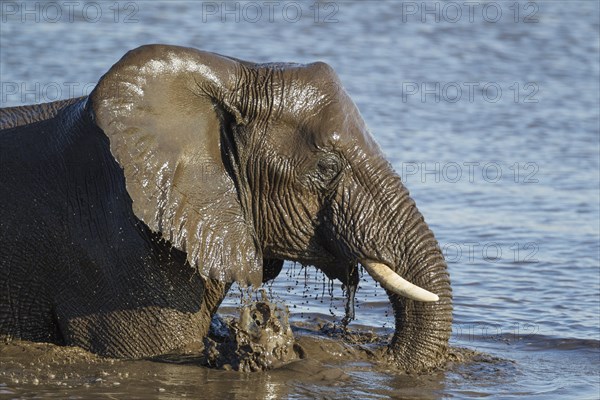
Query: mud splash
260,340
259,350
329,363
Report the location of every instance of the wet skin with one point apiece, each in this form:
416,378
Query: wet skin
127,214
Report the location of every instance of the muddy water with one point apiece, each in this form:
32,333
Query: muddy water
490,116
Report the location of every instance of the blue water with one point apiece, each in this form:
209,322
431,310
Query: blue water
491,117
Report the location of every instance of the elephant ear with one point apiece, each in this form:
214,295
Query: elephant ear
164,110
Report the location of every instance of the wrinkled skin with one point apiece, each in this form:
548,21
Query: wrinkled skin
126,215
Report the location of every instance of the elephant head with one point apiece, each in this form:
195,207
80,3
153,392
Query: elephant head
243,165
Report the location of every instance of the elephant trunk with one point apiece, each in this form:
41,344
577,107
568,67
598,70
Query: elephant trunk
423,326
399,251
420,341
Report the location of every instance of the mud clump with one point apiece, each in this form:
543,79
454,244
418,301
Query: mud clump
260,340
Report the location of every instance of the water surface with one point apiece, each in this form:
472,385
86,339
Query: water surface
494,127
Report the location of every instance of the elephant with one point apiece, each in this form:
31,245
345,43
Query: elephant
127,214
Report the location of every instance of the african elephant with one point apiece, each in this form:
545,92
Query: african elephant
126,215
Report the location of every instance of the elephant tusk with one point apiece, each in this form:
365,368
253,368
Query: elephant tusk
396,284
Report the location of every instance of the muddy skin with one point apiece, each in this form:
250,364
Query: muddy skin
184,171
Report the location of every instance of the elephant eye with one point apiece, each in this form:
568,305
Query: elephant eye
328,169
